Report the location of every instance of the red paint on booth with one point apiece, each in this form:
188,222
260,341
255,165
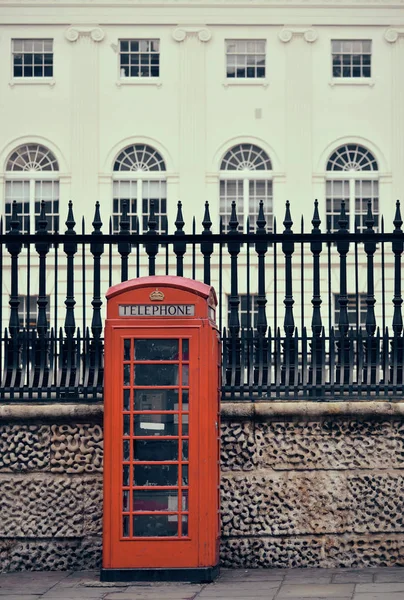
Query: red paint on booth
161,422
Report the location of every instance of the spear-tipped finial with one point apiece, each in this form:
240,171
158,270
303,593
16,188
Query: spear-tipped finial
261,217
70,222
206,223
42,220
15,223
343,219
233,223
397,217
369,221
179,221
97,223
288,218
152,223
316,222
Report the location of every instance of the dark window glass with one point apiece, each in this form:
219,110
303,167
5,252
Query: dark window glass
155,525
156,349
156,399
155,450
155,375
159,475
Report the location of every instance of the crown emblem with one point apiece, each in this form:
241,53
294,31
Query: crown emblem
156,295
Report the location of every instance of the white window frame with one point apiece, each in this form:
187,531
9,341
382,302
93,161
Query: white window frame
253,311
358,81
138,78
32,177
245,81
35,79
247,175
32,314
139,178
351,309
352,177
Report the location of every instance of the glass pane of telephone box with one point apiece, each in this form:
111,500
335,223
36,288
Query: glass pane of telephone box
156,424
155,500
156,350
159,475
156,399
155,525
156,375
155,450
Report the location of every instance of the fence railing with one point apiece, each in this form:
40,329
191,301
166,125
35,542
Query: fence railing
289,341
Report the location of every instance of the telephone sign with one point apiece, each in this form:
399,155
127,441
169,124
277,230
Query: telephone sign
161,423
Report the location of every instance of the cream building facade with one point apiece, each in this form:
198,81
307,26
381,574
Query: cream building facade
202,100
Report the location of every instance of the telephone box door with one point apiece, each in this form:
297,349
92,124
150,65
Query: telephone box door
154,436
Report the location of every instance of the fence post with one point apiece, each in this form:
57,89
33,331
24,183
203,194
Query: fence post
233,376
179,247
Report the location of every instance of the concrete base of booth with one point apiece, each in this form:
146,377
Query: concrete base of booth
191,575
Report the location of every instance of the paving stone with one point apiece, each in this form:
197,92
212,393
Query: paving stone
320,579
76,593
21,597
389,576
354,577
379,587
377,596
340,590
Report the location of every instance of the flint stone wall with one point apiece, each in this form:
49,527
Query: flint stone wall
300,488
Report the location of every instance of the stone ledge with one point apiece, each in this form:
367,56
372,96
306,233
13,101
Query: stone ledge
54,412
229,410
309,410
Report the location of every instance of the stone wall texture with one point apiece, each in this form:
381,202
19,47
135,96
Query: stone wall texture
318,493
324,493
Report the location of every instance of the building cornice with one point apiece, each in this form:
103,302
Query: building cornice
205,3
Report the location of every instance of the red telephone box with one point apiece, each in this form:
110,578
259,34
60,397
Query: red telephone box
161,424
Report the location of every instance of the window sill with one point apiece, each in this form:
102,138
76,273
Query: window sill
352,81
248,82
156,81
32,81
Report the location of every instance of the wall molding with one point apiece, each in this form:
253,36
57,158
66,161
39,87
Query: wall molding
308,33
181,33
392,34
73,33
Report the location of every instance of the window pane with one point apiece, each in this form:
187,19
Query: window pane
156,349
155,500
155,450
156,424
160,475
156,399
155,525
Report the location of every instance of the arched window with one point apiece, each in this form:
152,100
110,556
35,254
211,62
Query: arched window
138,180
352,176
246,178
32,176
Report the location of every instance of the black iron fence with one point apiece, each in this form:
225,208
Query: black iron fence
321,315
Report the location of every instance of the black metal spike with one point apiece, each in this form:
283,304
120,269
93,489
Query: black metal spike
343,219
42,222
152,223
15,223
179,221
97,223
233,223
369,221
261,222
206,223
288,218
316,222
397,217
70,222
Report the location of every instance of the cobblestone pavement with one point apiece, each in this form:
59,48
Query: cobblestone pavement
236,584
